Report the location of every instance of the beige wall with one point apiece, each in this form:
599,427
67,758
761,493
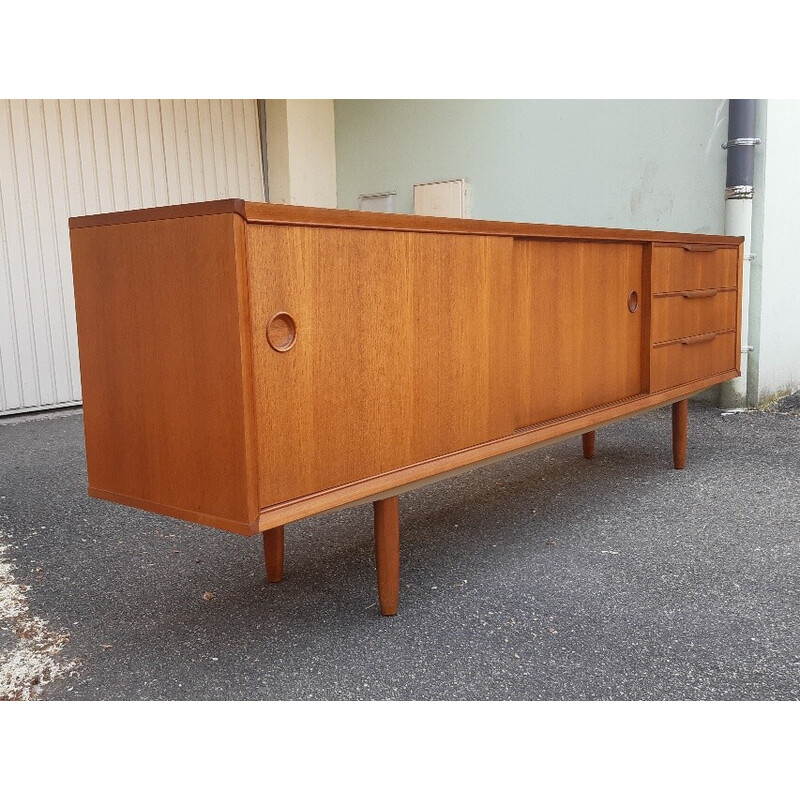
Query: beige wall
301,152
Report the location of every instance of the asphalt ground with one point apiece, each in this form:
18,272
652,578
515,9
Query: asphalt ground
544,576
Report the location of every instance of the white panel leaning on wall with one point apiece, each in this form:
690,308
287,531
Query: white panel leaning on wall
442,199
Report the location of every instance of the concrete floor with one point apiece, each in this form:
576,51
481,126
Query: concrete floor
542,577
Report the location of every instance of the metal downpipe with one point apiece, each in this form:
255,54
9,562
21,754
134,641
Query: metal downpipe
738,222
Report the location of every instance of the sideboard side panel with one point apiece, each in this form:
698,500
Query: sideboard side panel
158,310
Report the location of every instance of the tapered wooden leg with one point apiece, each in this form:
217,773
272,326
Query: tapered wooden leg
680,432
387,553
588,444
273,554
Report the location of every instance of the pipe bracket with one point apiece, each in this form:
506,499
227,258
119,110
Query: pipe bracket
738,192
745,141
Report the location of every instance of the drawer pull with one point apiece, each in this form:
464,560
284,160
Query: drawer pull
633,301
698,293
708,337
701,248
281,331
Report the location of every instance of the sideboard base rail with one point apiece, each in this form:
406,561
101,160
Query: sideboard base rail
453,464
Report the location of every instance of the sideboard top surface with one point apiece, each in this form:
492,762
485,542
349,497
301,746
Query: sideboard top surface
275,214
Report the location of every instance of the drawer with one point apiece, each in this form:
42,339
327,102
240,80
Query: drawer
693,312
691,266
692,359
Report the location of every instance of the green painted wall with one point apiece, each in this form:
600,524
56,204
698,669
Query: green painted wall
653,164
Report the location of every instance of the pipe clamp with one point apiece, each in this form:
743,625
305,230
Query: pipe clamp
738,192
745,141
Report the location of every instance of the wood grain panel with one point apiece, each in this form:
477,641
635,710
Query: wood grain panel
578,344
402,351
331,217
692,359
159,306
676,268
201,209
647,313
694,312
415,354
443,467
275,213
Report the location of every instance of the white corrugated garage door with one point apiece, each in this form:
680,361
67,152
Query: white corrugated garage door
63,158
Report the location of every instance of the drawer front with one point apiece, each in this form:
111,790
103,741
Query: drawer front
691,359
693,312
680,267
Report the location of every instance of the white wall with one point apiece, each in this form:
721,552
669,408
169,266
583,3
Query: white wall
776,268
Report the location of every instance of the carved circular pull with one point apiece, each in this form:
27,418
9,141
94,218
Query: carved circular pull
281,331
633,301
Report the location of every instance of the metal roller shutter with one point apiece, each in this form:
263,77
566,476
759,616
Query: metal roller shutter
62,158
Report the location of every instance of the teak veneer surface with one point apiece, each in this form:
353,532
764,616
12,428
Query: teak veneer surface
678,269
164,368
400,356
452,464
692,358
578,344
247,364
693,313
274,213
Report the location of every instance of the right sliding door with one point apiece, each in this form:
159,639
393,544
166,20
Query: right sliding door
578,326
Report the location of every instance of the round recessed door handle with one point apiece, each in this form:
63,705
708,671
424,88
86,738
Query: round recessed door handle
633,301
281,331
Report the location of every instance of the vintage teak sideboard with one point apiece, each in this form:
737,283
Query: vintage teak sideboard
245,365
